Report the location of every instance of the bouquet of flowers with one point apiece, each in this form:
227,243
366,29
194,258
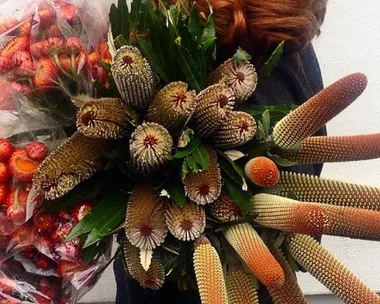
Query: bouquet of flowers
169,154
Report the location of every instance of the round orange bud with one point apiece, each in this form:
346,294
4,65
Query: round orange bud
262,172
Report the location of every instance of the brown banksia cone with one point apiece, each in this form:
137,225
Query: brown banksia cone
238,129
145,225
153,278
328,149
135,79
76,160
186,223
262,171
209,273
172,107
290,292
205,186
252,250
103,118
241,78
317,111
329,271
310,188
213,104
240,287
150,147
224,209
283,214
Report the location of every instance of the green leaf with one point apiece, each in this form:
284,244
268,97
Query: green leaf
120,41
90,253
176,191
101,220
133,16
119,18
209,35
191,164
201,157
266,123
231,168
184,169
194,144
241,56
103,91
261,149
142,25
272,62
194,25
282,162
241,198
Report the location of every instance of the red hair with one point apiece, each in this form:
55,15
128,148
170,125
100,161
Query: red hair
259,24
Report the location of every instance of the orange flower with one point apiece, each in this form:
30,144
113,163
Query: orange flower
55,45
26,68
104,52
21,167
7,24
19,57
262,172
46,73
65,62
74,45
39,49
69,12
17,44
47,17
94,57
25,28
5,64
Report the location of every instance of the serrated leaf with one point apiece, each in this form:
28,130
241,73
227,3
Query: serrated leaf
176,191
194,144
201,157
146,256
282,162
241,56
234,155
266,122
241,198
272,62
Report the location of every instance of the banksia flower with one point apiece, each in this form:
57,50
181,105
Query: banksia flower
225,209
240,287
145,225
309,188
17,44
241,78
283,214
186,223
213,104
172,106
103,118
252,250
46,74
21,167
262,171
329,271
76,160
318,110
238,129
209,273
153,278
205,186
150,147
134,77
290,292
327,149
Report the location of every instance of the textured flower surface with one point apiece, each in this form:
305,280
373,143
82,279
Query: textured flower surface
240,287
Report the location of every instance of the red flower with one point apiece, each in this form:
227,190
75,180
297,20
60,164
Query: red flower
48,289
93,58
6,150
105,54
7,285
30,252
44,223
23,235
81,60
21,167
62,232
46,74
19,57
17,44
39,49
36,150
5,64
7,24
69,12
16,213
99,74
43,244
66,269
47,17
53,31
67,252
43,262
4,191
25,28
4,173
74,45
81,210
27,68
65,62
55,45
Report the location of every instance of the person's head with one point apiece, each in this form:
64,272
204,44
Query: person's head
257,25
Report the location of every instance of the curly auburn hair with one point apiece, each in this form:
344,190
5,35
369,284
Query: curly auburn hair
257,25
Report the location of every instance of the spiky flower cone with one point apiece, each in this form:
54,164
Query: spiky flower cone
205,186
240,288
241,78
186,223
252,250
292,216
103,118
238,129
309,188
290,292
145,225
328,149
213,104
172,106
330,272
150,147
134,77
76,160
317,111
225,209
209,273
262,171
153,278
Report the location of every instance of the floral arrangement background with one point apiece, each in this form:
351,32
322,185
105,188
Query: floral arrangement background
166,150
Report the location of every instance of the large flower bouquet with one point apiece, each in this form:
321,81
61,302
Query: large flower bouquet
169,154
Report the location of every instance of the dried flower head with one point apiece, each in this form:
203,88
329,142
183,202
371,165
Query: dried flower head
69,12
317,111
47,17
39,49
224,208
213,104
94,58
329,271
5,64
45,75
25,28
145,225
21,167
237,129
150,147
252,250
240,287
20,57
7,24
55,45
186,223
73,45
209,273
172,107
103,118
76,160
205,186
262,171
134,77
241,78
17,44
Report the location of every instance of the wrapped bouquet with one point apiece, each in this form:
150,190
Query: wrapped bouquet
167,153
